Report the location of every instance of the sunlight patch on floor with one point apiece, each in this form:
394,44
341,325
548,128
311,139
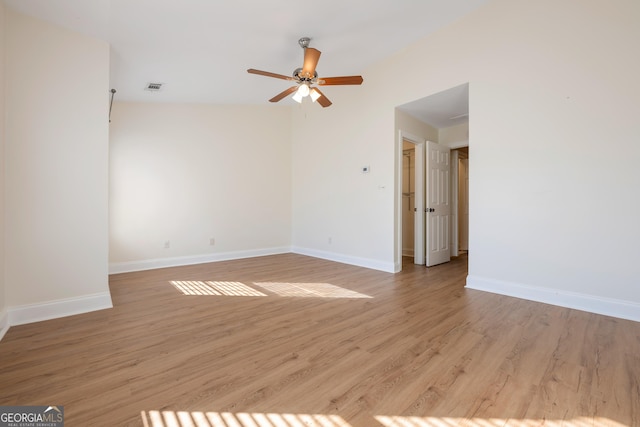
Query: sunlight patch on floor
318,290
227,419
199,287
397,421
243,419
282,289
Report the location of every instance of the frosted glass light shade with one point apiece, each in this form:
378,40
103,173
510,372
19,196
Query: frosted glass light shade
303,90
314,94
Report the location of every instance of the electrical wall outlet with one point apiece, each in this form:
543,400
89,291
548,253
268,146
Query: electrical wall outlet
167,244
212,241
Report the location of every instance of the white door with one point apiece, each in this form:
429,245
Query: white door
438,204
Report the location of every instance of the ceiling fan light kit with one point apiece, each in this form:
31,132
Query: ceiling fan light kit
306,76
314,94
303,90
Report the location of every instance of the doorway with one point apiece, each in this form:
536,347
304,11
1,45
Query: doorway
410,207
408,199
460,201
441,117
463,200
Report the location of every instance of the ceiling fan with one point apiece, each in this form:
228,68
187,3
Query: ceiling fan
307,76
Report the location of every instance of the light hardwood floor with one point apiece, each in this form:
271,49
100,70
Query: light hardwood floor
293,341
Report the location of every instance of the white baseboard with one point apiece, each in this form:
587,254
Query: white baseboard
4,323
127,267
397,267
151,264
30,313
388,267
584,302
407,252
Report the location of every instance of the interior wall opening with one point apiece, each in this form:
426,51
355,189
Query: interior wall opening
408,200
463,200
442,118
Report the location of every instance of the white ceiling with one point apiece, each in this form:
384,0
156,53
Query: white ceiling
442,109
201,49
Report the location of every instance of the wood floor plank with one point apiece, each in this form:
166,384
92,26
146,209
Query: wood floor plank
414,349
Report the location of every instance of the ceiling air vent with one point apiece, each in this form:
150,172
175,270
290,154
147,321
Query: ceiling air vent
153,87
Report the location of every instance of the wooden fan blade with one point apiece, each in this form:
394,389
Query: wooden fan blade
268,74
311,57
283,94
345,80
323,100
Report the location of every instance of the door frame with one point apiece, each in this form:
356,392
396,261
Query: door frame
454,202
419,228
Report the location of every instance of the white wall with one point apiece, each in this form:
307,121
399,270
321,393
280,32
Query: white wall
332,198
557,90
189,173
4,320
56,161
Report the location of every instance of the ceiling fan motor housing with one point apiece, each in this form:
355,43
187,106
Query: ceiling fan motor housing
299,75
